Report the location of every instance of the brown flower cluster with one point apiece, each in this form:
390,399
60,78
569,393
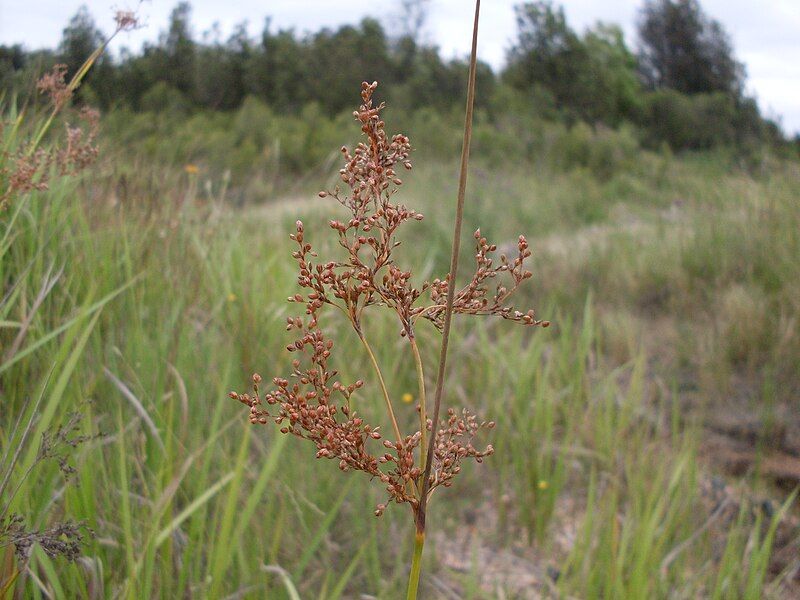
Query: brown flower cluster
308,409
54,85
80,150
474,299
314,404
28,172
454,443
127,20
59,540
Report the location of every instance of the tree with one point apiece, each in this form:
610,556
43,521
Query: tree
609,76
683,49
171,61
220,81
433,83
547,53
410,23
340,60
179,50
277,70
12,59
80,38
591,78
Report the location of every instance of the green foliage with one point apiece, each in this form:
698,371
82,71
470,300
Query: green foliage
164,99
548,53
221,79
141,288
603,151
176,55
694,122
552,71
427,82
169,298
610,75
591,77
341,60
276,72
254,142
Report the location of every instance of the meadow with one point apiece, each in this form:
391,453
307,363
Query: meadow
645,442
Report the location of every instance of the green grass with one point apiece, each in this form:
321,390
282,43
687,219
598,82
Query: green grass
163,301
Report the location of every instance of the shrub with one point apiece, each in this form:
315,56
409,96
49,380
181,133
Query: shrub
694,122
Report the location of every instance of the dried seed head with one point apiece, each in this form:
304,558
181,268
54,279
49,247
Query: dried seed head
317,405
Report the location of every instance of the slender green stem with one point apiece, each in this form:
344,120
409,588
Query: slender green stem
451,285
423,415
416,566
382,382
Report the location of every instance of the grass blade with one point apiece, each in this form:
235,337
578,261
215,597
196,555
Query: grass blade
287,580
323,528
196,503
137,405
60,329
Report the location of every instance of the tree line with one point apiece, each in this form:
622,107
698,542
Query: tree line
681,85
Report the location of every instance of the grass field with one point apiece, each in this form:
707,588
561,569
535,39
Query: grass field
674,291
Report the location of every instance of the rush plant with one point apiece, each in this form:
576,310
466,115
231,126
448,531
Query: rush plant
313,403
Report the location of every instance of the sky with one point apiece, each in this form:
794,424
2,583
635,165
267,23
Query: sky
765,33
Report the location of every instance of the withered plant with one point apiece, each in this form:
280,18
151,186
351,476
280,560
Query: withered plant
313,402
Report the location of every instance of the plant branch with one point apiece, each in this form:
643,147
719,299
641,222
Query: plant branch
382,382
423,415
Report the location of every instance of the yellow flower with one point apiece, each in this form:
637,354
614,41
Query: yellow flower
408,398
231,297
543,485
191,169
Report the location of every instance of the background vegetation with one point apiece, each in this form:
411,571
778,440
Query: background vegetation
647,443
262,102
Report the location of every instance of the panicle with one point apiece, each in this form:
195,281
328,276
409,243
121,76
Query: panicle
29,166
476,298
126,20
54,85
313,402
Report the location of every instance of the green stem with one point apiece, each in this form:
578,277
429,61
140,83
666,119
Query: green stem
423,414
451,281
416,566
382,382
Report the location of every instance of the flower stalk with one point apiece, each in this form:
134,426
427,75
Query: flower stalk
448,313
384,390
423,415
421,512
416,566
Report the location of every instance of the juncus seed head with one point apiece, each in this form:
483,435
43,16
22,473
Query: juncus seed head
317,405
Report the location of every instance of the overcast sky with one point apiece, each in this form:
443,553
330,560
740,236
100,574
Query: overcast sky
765,33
